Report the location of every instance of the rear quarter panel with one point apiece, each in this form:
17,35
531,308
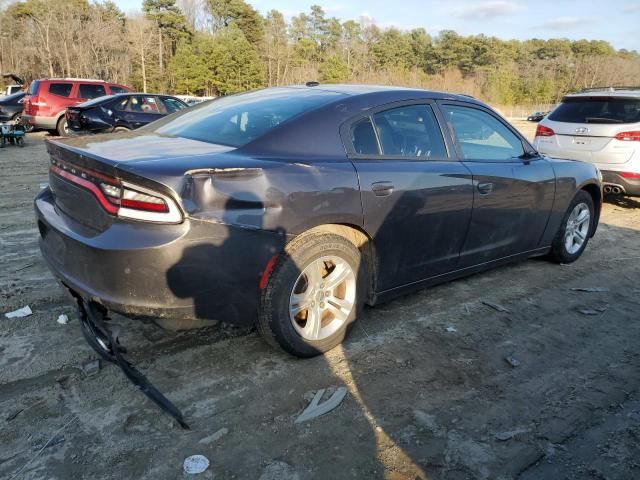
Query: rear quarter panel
287,195
571,177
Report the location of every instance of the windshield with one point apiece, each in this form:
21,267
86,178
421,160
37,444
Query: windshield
603,110
238,119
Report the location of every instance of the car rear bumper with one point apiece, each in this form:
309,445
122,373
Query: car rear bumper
45,123
194,270
613,178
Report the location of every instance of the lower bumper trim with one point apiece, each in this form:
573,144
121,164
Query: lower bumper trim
105,343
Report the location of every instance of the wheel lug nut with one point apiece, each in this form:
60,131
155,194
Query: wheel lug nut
322,305
327,293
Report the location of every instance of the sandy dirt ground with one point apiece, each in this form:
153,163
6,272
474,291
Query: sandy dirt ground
430,394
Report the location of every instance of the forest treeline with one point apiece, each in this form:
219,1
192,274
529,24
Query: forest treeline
218,47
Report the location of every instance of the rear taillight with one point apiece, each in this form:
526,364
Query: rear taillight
543,131
632,136
629,175
121,198
36,102
142,201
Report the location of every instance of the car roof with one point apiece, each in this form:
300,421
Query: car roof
633,92
392,92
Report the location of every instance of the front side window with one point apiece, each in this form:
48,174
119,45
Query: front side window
481,136
60,89
91,91
410,131
173,105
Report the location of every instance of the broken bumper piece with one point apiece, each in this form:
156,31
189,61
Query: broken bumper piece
105,342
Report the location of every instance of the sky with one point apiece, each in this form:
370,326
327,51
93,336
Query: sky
617,21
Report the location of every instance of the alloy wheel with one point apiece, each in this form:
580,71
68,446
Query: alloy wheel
322,298
577,229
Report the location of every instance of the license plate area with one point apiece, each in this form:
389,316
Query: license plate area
581,141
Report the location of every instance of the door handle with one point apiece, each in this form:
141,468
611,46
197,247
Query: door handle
485,188
382,189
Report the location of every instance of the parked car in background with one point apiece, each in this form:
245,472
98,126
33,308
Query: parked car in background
600,126
537,116
48,99
125,111
11,89
11,108
191,100
292,207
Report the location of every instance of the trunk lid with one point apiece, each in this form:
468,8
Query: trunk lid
150,161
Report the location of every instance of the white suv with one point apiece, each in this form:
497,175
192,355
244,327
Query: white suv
600,126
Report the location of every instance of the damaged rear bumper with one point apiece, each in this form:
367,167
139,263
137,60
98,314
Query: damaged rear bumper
194,270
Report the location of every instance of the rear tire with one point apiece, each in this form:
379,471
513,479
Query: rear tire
574,233
62,129
320,276
28,127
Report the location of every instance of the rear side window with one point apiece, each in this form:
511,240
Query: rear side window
115,89
481,136
363,138
121,105
238,119
144,104
603,110
410,131
91,91
33,88
60,89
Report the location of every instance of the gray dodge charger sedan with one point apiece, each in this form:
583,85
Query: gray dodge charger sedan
291,208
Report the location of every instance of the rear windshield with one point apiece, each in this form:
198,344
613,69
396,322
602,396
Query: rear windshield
33,88
597,110
238,119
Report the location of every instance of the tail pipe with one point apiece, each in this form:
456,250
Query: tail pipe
613,189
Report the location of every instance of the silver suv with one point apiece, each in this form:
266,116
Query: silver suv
600,126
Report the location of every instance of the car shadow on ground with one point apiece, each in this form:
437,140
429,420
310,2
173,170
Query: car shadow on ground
623,201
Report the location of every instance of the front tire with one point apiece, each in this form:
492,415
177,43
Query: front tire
575,230
314,292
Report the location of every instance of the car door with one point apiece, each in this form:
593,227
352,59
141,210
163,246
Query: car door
514,188
142,110
416,198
